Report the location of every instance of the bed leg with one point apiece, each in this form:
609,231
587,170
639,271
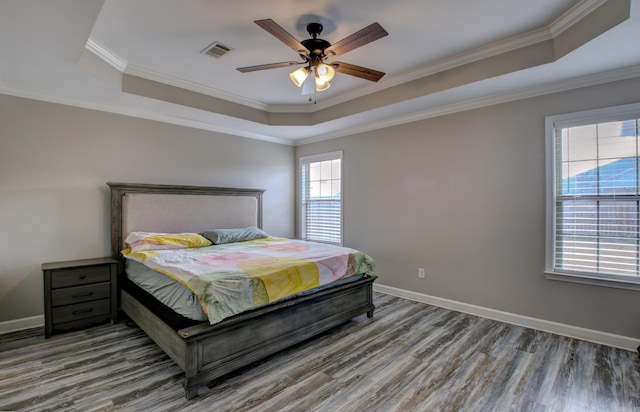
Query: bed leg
190,392
370,314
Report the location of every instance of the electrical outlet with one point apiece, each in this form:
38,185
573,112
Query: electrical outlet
421,273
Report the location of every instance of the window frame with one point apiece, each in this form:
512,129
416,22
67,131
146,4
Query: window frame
552,123
320,157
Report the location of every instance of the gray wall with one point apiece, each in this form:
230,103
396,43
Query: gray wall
460,195
55,161
463,196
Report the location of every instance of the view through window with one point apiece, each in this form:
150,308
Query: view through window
321,197
596,198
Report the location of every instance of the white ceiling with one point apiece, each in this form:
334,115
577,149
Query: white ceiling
67,51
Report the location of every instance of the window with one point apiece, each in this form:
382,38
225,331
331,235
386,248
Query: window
593,197
321,198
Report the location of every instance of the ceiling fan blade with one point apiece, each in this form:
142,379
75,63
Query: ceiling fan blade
282,35
370,33
358,71
267,66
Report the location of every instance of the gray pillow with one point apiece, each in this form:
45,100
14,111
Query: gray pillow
222,236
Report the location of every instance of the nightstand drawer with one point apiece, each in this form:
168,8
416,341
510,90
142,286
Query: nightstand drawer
80,276
79,294
85,310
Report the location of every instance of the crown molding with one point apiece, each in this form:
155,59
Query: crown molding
105,54
123,67
574,83
438,66
170,80
548,32
245,128
555,87
574,15
141,114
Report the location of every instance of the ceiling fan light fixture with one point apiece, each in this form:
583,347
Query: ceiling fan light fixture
322,87
298,76
325,72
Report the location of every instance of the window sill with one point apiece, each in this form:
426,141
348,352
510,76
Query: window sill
587,279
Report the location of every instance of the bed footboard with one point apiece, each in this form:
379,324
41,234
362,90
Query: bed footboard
206,352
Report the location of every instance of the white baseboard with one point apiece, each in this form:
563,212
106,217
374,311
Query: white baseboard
617,341
21,324
604,338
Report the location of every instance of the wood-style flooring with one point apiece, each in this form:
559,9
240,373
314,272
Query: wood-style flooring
409,357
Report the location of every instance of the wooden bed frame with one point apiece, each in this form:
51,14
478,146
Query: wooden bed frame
206,352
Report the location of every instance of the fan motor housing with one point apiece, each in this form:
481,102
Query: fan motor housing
316,47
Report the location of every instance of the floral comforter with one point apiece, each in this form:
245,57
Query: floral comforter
232,278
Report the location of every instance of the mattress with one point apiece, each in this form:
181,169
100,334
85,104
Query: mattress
180,299
169,292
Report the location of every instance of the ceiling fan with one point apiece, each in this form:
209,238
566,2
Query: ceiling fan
317,74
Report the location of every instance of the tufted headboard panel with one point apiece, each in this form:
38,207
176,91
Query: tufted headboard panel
175,209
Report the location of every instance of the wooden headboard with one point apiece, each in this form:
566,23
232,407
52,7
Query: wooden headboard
174,209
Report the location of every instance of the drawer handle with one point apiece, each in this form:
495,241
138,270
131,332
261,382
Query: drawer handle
83,277
83,294
78,312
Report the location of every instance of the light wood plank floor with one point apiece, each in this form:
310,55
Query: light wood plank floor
409,357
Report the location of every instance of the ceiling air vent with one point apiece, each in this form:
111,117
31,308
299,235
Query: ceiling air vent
216,49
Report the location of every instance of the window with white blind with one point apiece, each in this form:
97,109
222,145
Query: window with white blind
321,197
593,197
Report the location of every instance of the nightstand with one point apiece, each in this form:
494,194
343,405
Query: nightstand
79,293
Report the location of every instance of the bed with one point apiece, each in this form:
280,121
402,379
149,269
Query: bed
208,351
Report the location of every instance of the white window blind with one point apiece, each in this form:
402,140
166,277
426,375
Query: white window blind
321,197
596,197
